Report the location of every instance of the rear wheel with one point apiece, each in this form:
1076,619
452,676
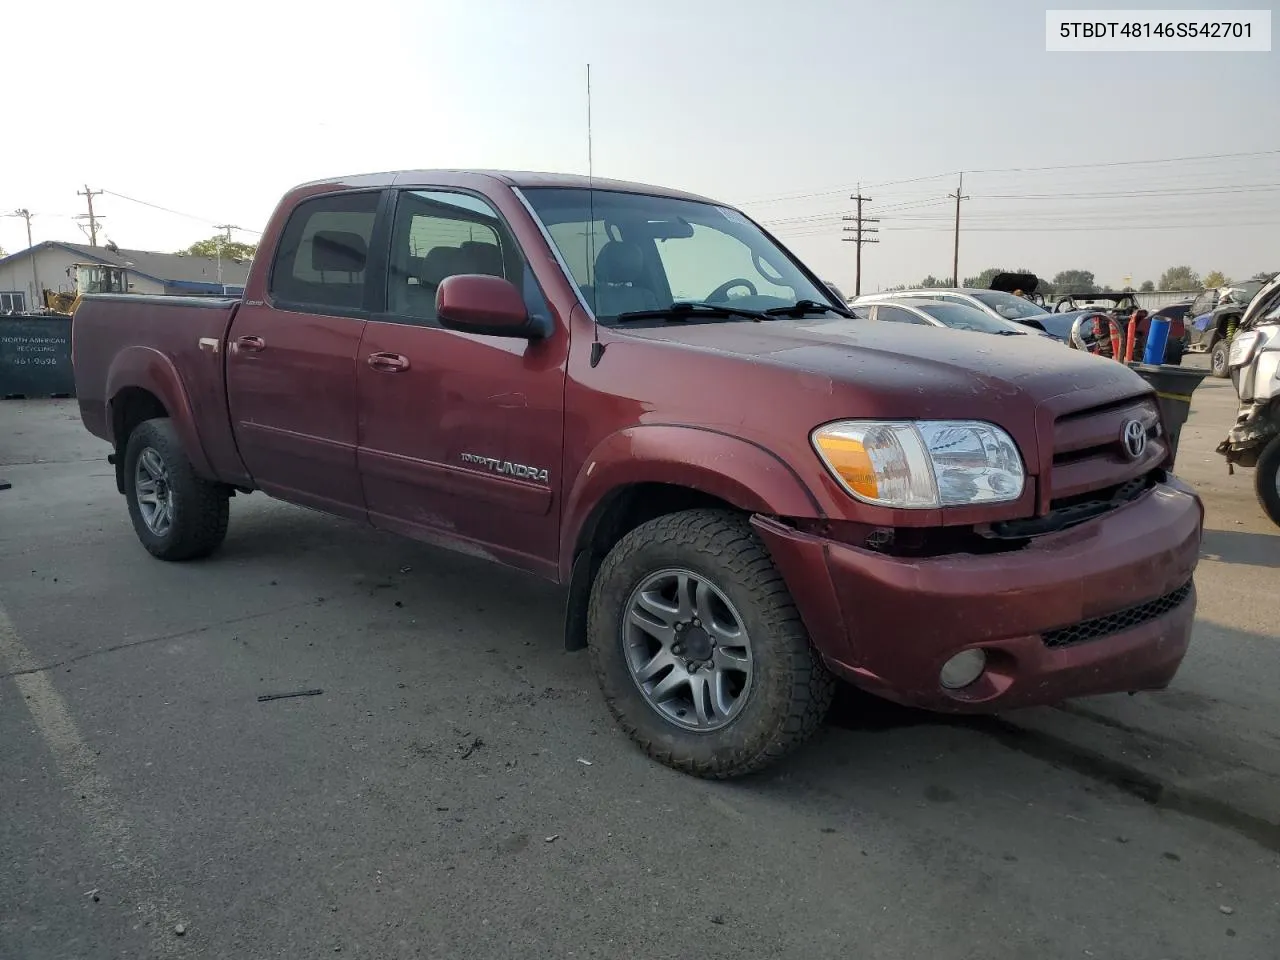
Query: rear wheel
1266,481
176,514
698,647
1218,359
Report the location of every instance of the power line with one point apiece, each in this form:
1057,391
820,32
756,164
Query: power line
1067,166
177,213
1130,163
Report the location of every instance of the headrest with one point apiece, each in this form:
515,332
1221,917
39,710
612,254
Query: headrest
441,262
483,257
338,251
619,262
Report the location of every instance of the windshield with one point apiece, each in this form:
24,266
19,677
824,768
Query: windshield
961,317
1009,306
1244,292
631,252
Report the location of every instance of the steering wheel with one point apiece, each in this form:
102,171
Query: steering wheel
722,292
1108,343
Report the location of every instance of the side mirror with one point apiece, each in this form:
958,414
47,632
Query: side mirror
478,303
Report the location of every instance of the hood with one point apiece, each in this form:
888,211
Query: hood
1010,282
901,370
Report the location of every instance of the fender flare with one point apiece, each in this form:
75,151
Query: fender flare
146,368
738,471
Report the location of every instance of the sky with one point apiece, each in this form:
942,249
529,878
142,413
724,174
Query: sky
214,110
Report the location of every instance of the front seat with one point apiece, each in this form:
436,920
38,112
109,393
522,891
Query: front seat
619,275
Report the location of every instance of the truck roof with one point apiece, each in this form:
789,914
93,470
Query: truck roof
514,178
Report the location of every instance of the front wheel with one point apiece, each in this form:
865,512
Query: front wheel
1218,359
699,649
176,514
1266,481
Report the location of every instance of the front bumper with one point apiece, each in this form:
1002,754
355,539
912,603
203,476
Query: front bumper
888,624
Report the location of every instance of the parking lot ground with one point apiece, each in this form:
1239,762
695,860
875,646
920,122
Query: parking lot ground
458,790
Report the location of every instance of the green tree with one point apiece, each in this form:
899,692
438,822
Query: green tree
1180,278
983,280
1148,286
1215,278
931,282
231,249
1075,281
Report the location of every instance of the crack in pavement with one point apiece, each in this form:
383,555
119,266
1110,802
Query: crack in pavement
129,644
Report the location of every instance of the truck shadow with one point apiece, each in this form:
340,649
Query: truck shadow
1238,546
518,617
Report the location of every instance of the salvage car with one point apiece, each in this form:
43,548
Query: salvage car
935,313
639,394
994,303
1216,314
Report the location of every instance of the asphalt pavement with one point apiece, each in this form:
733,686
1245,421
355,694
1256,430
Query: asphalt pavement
450,785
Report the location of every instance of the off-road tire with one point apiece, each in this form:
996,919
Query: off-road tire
200,508
1218,358
791,688
1266,480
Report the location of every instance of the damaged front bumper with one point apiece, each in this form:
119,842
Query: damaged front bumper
1254,428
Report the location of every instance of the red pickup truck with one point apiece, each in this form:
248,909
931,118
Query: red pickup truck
639,394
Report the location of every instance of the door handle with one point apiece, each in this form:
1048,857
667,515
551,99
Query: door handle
388,362
251,344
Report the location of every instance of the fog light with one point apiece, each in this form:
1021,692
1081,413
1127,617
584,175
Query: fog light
962,669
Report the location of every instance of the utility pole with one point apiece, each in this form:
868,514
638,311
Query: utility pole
93,221
861,235
25,214
227,227
955,258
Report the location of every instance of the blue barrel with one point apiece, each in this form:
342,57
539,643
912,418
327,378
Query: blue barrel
35,356
1157,339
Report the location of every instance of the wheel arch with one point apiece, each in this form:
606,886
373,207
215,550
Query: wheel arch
642,473
143,383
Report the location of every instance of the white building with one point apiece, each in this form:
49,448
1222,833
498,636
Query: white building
148,272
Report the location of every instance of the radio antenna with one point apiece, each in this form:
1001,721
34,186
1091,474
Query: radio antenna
597,348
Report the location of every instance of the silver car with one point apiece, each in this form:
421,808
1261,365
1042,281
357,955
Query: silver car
938,313
994,303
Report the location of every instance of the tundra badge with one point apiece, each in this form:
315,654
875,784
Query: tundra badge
493,465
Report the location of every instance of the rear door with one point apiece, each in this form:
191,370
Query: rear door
460,434
291,382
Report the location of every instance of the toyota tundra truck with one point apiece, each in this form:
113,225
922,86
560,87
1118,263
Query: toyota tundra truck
641,395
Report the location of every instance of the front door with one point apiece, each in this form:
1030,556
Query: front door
460,435
291,360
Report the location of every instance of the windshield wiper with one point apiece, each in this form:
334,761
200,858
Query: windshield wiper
1009,333
802,307
688,308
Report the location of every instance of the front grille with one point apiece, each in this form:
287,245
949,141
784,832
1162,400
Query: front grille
1113,623
1089,454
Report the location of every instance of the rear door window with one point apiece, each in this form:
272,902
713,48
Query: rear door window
898,315
319,264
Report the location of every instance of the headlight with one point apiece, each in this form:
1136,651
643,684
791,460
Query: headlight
922,464
1242,348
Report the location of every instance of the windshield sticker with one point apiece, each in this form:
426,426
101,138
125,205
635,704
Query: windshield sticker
733,216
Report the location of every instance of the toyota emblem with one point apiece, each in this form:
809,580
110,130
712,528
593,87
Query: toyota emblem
1134,438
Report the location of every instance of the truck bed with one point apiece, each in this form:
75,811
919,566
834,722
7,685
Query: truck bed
174,345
